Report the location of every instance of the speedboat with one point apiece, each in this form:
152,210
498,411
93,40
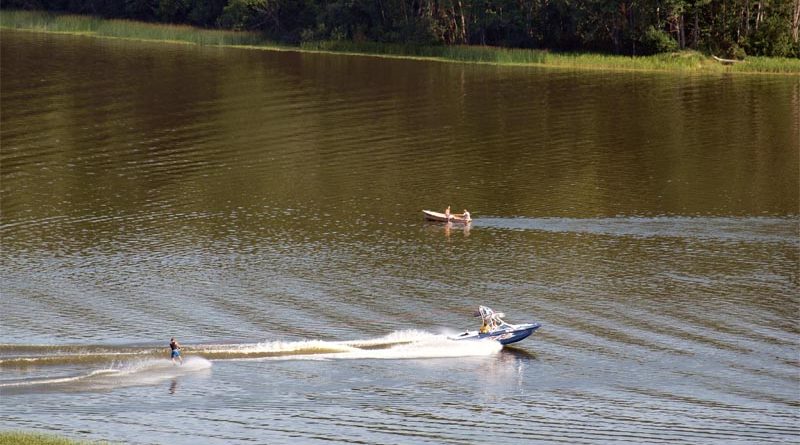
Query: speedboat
494,328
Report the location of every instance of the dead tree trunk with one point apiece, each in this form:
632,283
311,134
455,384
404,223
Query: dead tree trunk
682,32
463,23
796,20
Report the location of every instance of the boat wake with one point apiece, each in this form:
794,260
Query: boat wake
133,373
34,365
397,345
738,229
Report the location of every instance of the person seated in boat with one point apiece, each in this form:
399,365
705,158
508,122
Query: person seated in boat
466,216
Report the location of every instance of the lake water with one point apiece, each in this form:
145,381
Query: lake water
264,208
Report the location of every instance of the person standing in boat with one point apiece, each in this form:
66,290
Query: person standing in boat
176,350
485,314
447,213
487,319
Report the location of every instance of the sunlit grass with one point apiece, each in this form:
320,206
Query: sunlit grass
459,53
177,33
680,61
30,438
768,65
78,24
684,61
42,21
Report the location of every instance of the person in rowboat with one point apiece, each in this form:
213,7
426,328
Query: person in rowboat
466,216
176,350
447,213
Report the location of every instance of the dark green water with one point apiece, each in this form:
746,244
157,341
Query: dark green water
265,209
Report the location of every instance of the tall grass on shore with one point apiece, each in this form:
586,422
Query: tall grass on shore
31,438
47,22
680,61
768,65
127,29
684,61
461,53
178,33
508,56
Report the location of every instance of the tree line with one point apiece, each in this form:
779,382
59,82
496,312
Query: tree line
727,28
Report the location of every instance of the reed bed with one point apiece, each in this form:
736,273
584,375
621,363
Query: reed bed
127,29
47,22
680,61
768,65
178,33
684,61
461,53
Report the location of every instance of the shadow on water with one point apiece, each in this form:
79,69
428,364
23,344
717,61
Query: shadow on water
516,353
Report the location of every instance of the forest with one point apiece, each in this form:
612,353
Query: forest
726,28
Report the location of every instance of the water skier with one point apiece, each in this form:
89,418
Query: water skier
176,350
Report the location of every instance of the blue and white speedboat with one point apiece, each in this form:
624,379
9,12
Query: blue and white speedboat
494,328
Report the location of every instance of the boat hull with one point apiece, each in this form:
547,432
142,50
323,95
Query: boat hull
504,335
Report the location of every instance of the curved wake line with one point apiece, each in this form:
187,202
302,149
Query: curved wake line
743,229
76,358
134,373
52,381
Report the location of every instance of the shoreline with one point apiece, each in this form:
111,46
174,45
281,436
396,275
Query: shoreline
684,62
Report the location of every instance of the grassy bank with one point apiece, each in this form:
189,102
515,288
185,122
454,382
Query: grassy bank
479,54
29,438
685,61
125,29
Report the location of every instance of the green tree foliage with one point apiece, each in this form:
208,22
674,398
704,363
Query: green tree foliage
243,14
731,28
205,13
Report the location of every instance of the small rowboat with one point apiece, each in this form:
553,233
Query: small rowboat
454,217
